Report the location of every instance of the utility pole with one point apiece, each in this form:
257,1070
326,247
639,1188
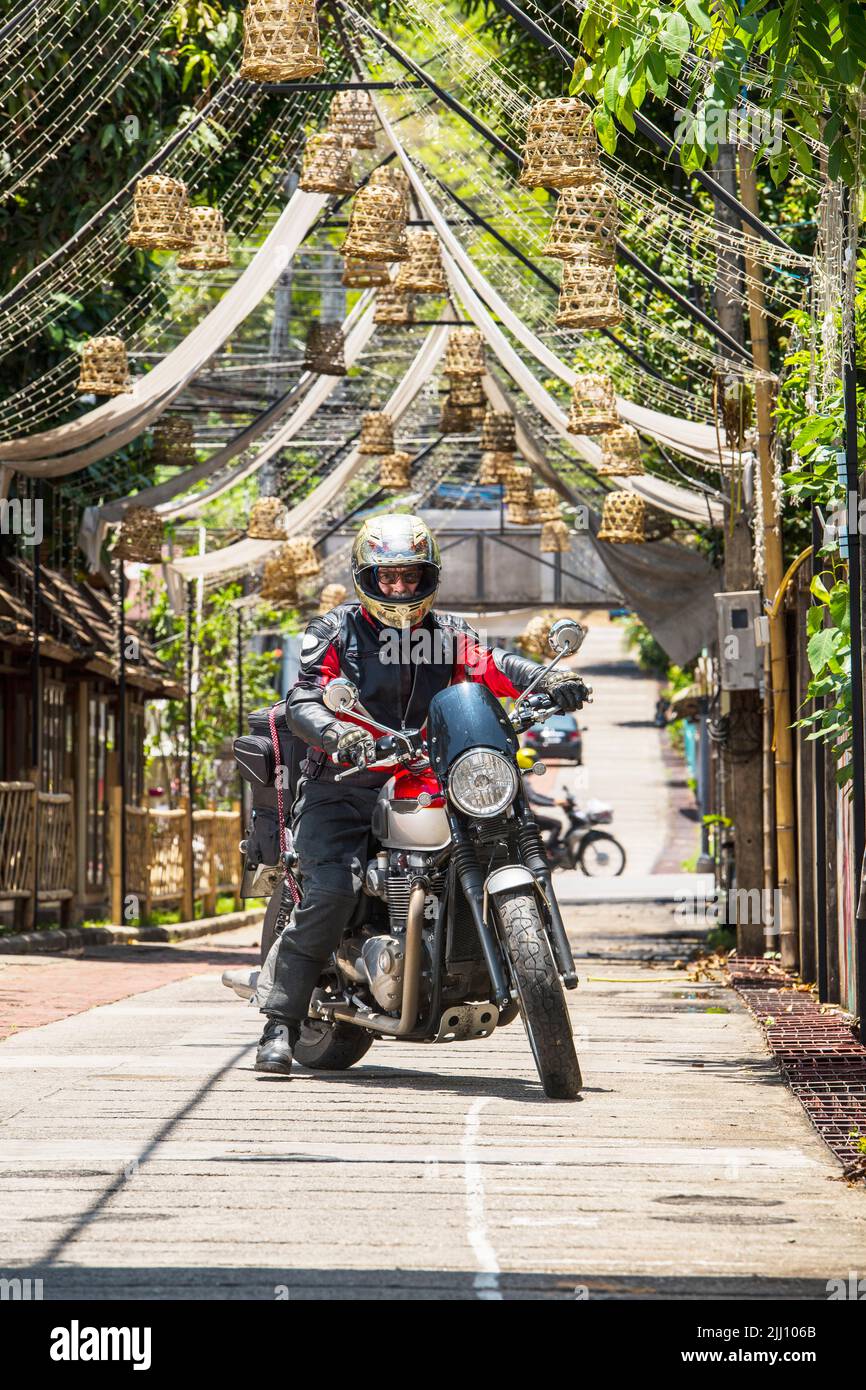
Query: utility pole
782,747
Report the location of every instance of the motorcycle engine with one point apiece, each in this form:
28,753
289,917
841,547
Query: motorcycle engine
384,958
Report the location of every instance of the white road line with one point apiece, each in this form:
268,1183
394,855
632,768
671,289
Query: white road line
487,1279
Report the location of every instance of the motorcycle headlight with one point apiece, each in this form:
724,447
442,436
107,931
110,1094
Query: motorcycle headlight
482,783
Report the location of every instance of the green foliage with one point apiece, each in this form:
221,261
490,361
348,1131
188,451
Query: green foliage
800,59
648,654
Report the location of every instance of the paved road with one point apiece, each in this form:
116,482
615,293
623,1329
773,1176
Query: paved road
140,1155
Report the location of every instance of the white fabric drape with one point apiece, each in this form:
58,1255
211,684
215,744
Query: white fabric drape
241,555
67,448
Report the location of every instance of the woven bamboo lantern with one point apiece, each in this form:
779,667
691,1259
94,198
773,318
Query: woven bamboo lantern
495,466
467,390
267,520
546,504
352,116
281,41
327,166
593,404
140,536
104,367
464,355
173,437
393,308
363,275
394,472
620,453
622,521
497,432
302,555
209,245
332,596
325,351
423,273
561,149
518,487
160,214
391,176
588,296
584,227
458,419
521,513
377,433
555,538
536,634
279,582
377,226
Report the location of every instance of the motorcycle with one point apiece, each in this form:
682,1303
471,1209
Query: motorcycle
457,929
595,852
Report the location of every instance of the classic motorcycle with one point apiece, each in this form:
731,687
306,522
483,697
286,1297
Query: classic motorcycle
457,929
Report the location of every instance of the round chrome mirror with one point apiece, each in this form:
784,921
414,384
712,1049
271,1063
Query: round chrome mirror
566,636
340,695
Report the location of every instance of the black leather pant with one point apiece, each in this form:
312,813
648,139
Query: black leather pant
331,827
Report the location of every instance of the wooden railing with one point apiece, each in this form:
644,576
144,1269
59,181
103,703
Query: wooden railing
158,868
28,818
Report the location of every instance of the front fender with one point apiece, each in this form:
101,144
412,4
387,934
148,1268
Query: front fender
509,876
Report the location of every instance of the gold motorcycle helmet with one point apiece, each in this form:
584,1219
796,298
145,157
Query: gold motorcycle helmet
386,541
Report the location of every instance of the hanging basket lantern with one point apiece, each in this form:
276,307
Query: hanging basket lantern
622,521
327,166
140,536
620,453
281,41
209,244
173,437
521,513
495,466
325,350
332,596
363,275
547,505
584,227
267,520
301,552
377,433
467,390
555,538
377,226
160,214
279,583
391,176
588,296
497,432
464,355
393,308
535,640
352,116
459,419
593,404
561,149
394,472
104,367
518,487
423,273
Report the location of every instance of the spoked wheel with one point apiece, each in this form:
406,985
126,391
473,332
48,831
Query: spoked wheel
542,1003
601,855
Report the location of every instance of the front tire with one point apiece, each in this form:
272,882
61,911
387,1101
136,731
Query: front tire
539,992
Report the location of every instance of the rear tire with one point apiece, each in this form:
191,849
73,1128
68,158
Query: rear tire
601,855
542,1003
331,1046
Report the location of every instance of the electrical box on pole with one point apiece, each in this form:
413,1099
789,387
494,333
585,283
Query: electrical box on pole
739,617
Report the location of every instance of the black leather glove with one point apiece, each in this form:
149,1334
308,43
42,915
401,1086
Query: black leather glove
356,746
566,689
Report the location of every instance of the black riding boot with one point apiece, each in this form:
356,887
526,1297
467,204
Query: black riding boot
276,1046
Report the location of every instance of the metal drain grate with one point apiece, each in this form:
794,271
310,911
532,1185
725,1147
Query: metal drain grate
818,1055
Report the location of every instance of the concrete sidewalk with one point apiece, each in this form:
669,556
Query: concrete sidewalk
142,1157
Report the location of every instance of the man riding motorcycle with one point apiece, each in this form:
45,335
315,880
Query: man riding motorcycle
399,653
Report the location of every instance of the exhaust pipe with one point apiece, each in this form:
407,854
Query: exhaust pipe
383,1023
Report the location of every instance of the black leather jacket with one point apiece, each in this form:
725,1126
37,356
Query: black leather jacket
396,673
